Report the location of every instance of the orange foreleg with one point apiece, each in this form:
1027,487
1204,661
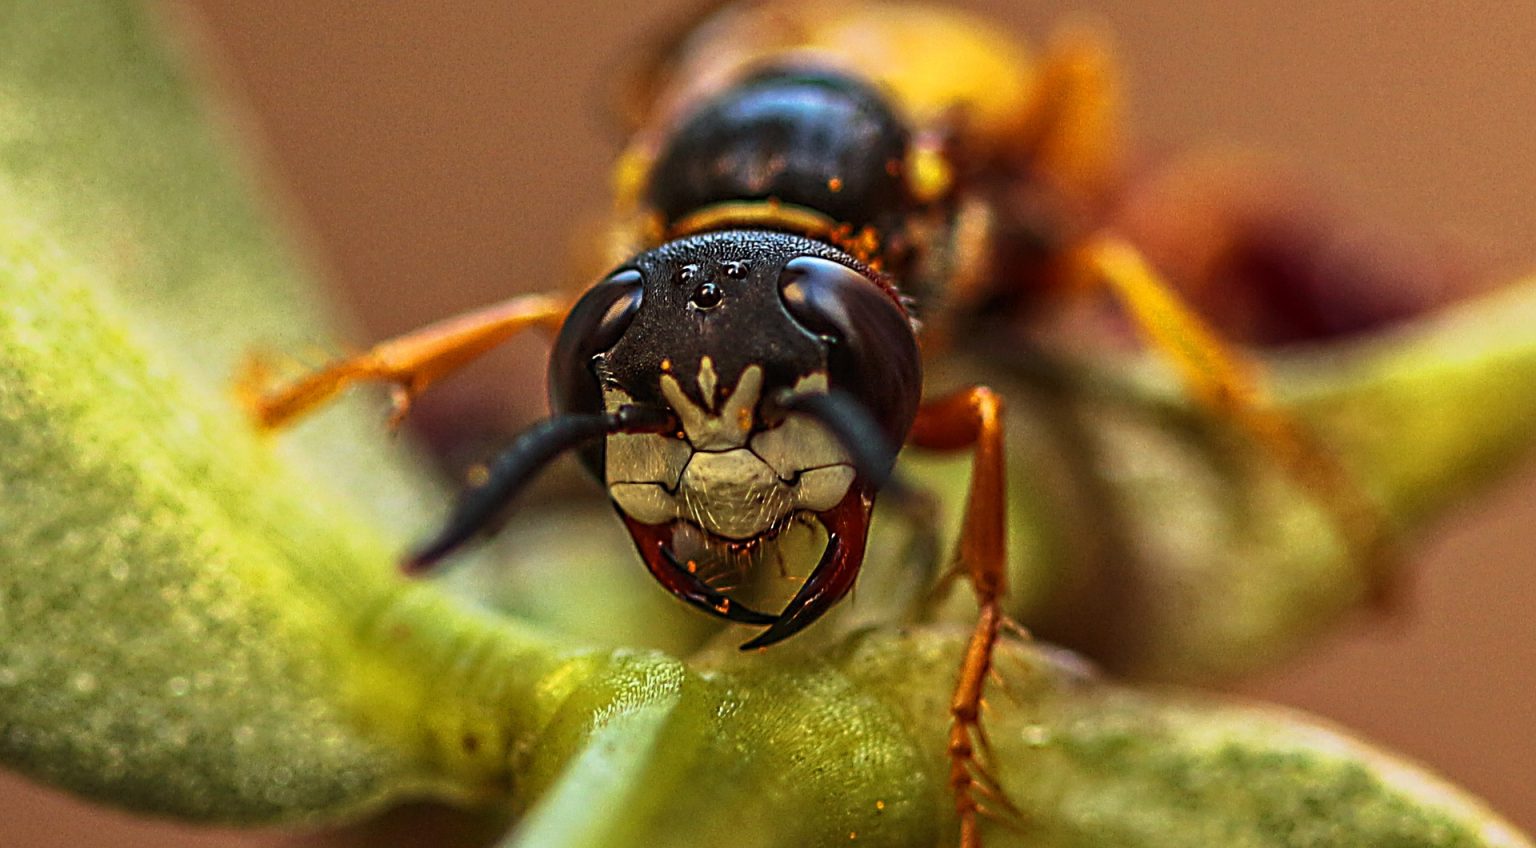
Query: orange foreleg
410,362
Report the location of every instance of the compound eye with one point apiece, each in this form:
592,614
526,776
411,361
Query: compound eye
594,325
871,349
817,291
614,303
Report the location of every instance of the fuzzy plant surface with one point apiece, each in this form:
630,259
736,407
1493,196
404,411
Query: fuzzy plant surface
201,623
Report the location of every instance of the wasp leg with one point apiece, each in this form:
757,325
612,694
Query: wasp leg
1230,385
410,362
972,418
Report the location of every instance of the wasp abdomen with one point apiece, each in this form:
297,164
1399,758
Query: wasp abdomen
820,140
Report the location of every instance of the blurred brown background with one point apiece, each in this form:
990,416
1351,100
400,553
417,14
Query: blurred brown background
441,155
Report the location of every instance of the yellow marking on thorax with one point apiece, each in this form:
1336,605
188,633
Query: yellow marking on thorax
863,244
764,214
928,173
630,174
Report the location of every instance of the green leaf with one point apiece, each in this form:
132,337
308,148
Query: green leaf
803,749
180,609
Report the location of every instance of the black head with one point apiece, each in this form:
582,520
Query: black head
701,312
790,374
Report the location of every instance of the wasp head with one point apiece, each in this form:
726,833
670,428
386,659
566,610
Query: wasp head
788,372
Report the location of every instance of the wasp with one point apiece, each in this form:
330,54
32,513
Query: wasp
816,199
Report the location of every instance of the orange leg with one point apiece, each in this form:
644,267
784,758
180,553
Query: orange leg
1230,385
972,418
410,362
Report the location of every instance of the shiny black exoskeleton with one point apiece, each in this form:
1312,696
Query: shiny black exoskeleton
824,141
